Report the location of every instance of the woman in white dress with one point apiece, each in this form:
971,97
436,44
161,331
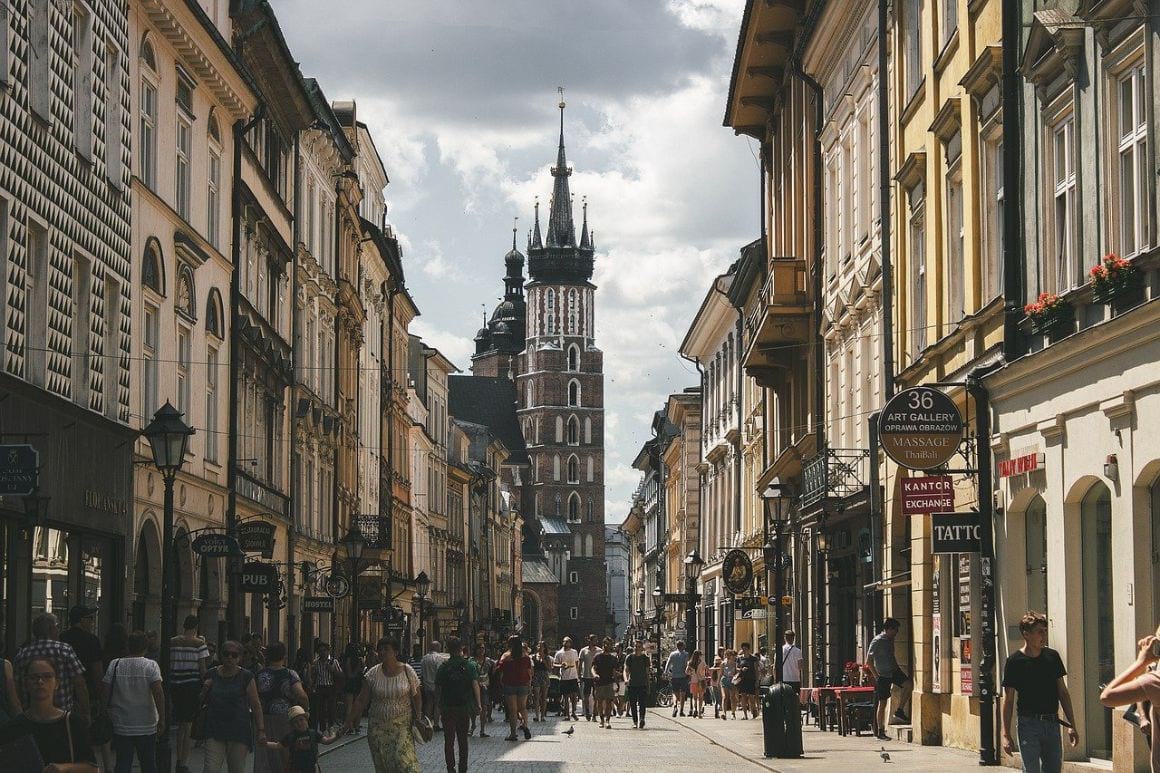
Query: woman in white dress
391,691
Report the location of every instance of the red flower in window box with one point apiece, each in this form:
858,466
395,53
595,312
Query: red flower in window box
1050,314
1113,277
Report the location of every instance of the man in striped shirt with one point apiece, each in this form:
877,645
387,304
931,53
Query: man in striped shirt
322,681
188,656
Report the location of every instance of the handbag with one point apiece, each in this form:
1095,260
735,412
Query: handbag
421,728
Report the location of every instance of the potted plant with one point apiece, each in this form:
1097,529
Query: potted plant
1051,315
1115,280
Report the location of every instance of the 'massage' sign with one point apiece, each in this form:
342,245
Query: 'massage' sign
920,428
955,532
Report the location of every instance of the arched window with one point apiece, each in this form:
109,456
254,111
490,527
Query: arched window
574,393
591,470
559,429
573,431
573,469
555,468
529,403
152,273
551,323
213,314
147,56
574,507
573,358
591,510
214,129
186,297
558,499
588,430
588,544
572,312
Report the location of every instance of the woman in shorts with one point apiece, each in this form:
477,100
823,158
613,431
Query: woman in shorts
515,675
541,671
728,688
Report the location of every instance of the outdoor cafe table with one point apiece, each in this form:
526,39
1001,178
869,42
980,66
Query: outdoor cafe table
845,695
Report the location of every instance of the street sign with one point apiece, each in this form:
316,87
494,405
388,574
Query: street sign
920,428
376,530
259,578
318,604
337,586
955,532
257,537
737,572
18,470
216,545
932,494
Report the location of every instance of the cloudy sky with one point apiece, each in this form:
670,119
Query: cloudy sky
461,98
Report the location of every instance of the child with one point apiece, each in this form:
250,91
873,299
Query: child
300,746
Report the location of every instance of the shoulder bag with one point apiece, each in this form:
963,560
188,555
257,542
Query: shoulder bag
197,729
421,728
68,729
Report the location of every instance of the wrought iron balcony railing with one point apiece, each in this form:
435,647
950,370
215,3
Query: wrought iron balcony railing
835,473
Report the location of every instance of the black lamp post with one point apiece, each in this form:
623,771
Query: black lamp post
168,438
772,553
693,564
823,547
354,542
422,587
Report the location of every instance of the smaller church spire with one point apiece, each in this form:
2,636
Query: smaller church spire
584,244
515,227
537,242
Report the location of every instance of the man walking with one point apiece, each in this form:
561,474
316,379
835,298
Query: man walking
429,666
587,654
887,674
1034,679
457,692
71,692
675,671
89,652
604,666
791,662
324,675
638,674
188,657
567,660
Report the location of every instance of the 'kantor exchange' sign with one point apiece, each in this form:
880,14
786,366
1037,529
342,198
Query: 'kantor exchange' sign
920,428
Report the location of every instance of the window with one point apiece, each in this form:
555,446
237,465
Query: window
151,275
555,468
5,41
82,81
572,329
148,133
918,320
213,314
832,222
1065,271
149,362
847,211
529,403
574,508
865,208
573,469
184,347
591,469
182,175
81,298
39,60
912,34
573,577
1132,167
954,230
591,511
992,217
573,358
588,430
111,346
213,189
211,405
308,225
573,613
185,293
573,431
574,393
36,293
950,19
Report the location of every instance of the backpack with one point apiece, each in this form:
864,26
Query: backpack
456,683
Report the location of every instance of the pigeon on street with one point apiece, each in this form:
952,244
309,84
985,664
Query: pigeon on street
570,730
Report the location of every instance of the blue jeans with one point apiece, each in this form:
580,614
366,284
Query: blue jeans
1040,745
144,745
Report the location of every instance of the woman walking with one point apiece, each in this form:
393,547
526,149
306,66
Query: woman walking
541,671
353,668
391,697
728,686
135,701
279,688
484,664
231,706
515,674
698,673
61,736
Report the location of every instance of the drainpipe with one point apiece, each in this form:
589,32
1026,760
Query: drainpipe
233,592
1013,279
291,617
335,499
884,190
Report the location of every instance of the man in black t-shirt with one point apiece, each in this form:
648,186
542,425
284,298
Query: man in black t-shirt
1034,679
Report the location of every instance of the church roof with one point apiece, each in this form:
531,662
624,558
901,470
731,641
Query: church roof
554,526
490,401
536,570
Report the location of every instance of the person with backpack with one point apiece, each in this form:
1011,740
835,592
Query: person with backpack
279,688
457,692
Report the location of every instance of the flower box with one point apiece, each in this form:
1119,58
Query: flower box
1051,316
1116,281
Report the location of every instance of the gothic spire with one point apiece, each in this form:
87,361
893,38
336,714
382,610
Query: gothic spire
561,230
536,242
584,243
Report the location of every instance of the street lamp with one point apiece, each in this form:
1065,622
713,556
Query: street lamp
422,586
353,542
774,494
168,438
693,564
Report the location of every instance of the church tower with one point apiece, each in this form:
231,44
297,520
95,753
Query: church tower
560,389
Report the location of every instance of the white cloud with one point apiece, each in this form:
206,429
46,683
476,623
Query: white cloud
454,347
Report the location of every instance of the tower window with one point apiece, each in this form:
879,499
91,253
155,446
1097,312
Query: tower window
573,470
574,612
573,358
573,431
574,508
574,393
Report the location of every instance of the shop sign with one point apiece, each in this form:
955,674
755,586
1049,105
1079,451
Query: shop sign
936,650
955,532
376,530
737,572
216,546
18,470
923,496
318,604
920,428
750,608
337,586
257,537
1018,465
259,578
370,591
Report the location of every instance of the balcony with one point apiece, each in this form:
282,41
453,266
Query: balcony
835,477
780,319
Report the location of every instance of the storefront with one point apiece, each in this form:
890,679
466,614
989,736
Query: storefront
71,550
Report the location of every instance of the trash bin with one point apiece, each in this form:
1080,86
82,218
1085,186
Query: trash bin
781,722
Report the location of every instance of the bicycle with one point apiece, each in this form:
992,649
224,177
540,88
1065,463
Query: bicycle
664,696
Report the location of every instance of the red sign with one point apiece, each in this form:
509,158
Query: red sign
932,494
1020,464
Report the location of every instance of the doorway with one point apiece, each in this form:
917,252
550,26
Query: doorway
1098,616
1035,550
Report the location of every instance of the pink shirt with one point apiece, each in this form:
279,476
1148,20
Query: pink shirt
1150,684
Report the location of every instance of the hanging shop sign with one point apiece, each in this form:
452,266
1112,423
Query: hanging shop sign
259,578
318,604
920,428
257,537
337,586
376,530
955,532
737,570
1018,465
932,494
18,470
750,608
371,591
216,546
